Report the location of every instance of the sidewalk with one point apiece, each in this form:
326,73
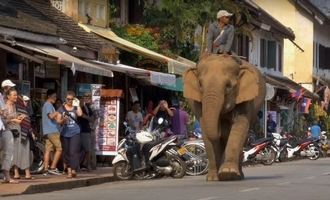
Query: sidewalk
53,183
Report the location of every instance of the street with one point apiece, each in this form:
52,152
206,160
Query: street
303,179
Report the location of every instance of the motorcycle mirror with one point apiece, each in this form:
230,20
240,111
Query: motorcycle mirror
160,120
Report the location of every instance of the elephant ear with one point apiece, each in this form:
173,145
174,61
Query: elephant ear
248,83
191,87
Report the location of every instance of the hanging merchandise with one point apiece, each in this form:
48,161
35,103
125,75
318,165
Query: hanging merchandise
298,94
73,68
319,112
326,98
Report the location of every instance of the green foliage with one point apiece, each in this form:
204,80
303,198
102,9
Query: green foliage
178,20
138,35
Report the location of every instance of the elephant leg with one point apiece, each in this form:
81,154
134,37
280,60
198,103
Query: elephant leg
225,130
231,169
213,152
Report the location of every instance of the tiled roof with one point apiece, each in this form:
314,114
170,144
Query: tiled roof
39,16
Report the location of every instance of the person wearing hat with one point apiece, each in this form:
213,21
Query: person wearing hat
220,34
6,136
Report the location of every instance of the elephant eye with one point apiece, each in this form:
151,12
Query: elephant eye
229,87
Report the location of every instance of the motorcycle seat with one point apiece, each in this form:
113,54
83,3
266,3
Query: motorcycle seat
304,140
260,141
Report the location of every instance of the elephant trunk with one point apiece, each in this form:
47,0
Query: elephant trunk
212,106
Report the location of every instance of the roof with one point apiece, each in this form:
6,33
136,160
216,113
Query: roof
323,6
39,16
314,9
284,82
174,66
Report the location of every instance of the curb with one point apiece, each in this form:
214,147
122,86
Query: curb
67,185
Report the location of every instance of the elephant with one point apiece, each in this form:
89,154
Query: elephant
225,94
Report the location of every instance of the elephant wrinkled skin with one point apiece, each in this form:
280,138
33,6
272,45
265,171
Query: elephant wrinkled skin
225,95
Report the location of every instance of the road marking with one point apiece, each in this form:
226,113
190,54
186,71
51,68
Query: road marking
209,198
250,189
284,183
310,177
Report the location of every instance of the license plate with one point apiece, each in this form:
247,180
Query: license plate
182,151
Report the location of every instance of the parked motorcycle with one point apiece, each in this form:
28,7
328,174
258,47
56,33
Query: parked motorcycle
260,150
196,157
145,155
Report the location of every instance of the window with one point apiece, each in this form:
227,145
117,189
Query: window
242,45
100,12
58,4
115,7
81,7
270,54
280,56
263,53
321,55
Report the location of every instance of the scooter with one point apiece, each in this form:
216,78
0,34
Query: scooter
260,150
144,155
303,148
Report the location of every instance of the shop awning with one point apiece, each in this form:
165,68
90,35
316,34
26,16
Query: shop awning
68,60
154,78
174,66
20,53
288,84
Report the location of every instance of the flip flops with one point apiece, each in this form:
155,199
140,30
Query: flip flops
11,181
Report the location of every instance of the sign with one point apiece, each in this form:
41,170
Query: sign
107,123
106,132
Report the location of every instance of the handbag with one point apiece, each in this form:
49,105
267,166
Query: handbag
15,133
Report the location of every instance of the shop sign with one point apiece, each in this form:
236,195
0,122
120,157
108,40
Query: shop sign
107,127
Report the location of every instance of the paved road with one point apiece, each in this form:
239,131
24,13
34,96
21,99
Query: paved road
303,180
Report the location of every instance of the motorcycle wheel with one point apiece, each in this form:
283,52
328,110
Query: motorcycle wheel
179,167
316,153
198,163
270,154
122,171
38,158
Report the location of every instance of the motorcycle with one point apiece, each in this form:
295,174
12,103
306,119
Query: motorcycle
303,148
196,158
260,150
145,155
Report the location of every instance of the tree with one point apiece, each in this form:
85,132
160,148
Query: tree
178,20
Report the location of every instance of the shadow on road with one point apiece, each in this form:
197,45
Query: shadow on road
262,177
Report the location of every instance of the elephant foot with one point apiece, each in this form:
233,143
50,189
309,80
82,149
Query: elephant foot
212,176
230,172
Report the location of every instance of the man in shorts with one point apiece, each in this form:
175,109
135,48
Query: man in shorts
50,121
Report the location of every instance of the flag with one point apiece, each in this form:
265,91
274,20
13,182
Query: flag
298,94
305,105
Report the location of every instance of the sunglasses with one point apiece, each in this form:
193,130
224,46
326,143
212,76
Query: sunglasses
69,99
